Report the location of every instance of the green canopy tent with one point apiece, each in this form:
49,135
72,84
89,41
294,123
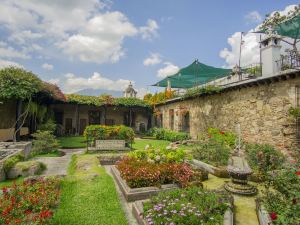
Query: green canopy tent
193,75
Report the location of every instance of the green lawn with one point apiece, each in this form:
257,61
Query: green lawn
141,143
10,182
72,142
88,196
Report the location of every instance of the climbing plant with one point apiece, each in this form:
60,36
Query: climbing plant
192,92
294,112
17,83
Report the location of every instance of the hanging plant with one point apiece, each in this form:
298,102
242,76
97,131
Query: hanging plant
295,112
157,113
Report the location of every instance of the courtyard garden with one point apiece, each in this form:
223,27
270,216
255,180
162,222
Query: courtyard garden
164,177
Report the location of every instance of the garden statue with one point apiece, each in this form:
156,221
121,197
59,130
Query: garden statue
239,171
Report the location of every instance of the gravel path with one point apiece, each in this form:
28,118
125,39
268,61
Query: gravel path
58,165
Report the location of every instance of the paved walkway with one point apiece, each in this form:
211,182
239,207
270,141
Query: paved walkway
58,165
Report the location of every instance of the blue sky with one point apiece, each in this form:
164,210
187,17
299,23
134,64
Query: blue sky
104,44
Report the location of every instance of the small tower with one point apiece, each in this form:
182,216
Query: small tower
270,55
130,92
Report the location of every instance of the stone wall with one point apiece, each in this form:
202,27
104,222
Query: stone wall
260,108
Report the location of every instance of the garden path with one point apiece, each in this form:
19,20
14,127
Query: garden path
127,206
58,165
245,208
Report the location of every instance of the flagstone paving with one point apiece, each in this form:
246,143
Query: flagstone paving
58,165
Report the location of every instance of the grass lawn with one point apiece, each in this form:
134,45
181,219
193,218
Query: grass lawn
141,143
72,142
88,195
10,182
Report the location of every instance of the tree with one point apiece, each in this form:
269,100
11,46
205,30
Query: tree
20,85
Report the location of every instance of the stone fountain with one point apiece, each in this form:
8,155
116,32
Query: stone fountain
239,171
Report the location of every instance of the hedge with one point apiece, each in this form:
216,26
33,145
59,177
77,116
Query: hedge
103,132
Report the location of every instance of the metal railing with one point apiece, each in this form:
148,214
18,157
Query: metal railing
289,61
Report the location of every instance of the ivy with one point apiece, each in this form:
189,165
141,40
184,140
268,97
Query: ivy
193,92
159,97
295,112
107,100
17,83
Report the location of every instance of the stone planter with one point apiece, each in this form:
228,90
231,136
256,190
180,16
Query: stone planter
262,214
217,171
137,210
109,159
25,169
134,194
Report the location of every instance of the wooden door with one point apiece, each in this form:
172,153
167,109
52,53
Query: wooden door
82,125
68,125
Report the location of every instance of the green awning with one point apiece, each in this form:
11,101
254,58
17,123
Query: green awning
193,75
289,28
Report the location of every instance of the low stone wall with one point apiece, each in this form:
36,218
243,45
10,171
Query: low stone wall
262,214
218,172
9,149
260,108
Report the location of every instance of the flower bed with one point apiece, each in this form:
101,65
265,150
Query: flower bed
280,202
141,173
102,132
31,202
190,206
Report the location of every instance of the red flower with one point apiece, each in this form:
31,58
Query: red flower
222,132
209,136
298,173
273,215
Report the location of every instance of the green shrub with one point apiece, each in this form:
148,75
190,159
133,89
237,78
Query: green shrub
102,132
212,151
264,157
10,162
225,137
49,125
44,142
159,155
169,135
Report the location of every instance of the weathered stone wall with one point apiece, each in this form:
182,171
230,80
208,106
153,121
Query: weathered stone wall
262,111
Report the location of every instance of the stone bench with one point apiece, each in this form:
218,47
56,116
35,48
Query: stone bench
105,145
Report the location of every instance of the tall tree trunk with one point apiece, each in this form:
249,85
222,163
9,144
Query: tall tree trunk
18,121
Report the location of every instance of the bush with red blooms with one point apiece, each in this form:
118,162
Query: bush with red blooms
31,202
141,173
282,196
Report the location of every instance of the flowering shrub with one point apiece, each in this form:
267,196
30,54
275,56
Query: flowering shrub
159,155
169,135
29,203
212,151
141,173
190,206
282,196
225,137
264,157
103,132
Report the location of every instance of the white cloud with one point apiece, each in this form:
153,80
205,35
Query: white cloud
250,48
150,31
7,63
84,30
47,66
153,59
74,83
253,17
8,52
168,70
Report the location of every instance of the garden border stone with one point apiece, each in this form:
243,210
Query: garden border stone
137,211
218,172
134,194
262,214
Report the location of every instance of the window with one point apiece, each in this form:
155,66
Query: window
171,119
186,122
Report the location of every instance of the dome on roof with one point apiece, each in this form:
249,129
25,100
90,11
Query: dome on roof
129,91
